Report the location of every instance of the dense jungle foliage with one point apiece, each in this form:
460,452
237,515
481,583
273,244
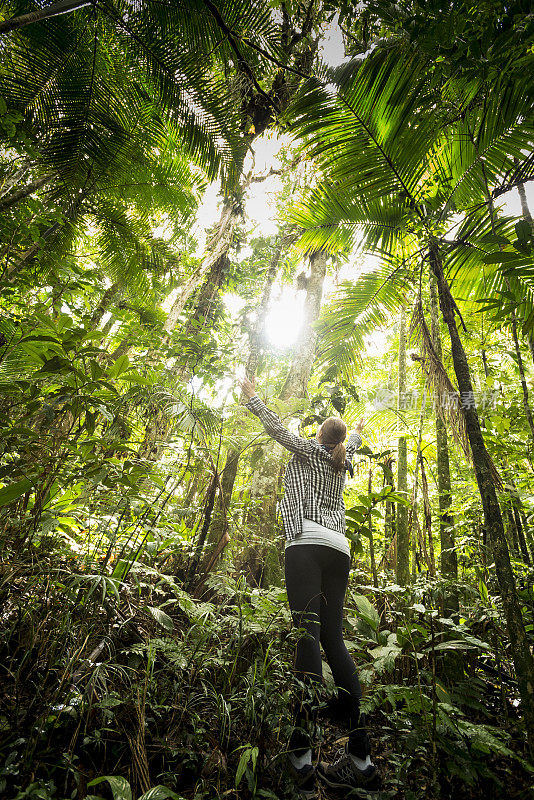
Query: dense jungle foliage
192,189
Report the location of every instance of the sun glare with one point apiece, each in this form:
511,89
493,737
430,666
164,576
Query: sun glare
285,318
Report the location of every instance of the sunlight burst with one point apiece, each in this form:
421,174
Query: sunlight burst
285,318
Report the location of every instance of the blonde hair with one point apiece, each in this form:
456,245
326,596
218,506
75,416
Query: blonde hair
333,432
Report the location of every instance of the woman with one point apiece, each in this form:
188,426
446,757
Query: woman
317,562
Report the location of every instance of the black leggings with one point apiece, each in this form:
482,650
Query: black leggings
316,582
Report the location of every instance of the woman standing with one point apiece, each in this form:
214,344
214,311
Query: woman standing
317,562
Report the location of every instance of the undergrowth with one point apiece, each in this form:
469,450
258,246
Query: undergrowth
136,688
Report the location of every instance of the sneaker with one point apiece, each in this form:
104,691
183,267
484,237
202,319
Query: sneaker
344,774
305,780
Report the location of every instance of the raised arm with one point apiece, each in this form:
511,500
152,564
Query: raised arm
273,426
353,443
271,422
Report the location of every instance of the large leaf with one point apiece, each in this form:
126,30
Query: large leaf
15,490
161,618
119,786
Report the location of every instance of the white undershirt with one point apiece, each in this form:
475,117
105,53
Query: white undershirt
313,533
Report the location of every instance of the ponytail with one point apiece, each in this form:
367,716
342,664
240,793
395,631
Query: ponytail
339,455
333,432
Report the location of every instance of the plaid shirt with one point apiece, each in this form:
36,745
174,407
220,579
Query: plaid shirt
312,488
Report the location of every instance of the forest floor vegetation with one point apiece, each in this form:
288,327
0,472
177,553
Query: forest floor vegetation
136,688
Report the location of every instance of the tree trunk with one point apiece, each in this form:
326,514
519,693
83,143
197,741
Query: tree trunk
296,383
403,531
519,518
528,216
208,299
414,526
524,205
449,558
229,473
12,199
371,540
524,388
54,10
389,515
216,248
427,516
389,479
522,657
102,307
213,266
12,181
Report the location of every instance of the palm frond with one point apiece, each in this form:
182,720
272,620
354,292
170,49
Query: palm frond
357,310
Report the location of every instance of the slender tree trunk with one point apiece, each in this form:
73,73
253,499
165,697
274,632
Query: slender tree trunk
12,199
53,10
229,473
102,307
389,515
512,530
522,657
403,531
122,348
414,526
519,519
427,516
213,266
528,216
296,383
449,558
519,357
13,180
524,204
208,300
216,248
389,512
371,539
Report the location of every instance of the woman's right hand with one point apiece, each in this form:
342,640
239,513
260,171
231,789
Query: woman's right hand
360,426
247,387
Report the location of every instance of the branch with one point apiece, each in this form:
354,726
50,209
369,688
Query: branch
32,187
508,186
261,178
245,66
61,7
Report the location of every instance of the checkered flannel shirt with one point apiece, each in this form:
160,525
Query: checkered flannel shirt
312,488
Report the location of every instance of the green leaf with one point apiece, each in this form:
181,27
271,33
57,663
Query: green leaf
161,793
55,364
523,229
247,754
161,618
96,369
14,491
136,377
499,258
120,365
367,611
119,786
41,337
454,644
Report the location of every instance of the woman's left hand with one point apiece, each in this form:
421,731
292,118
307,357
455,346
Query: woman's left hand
247,387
